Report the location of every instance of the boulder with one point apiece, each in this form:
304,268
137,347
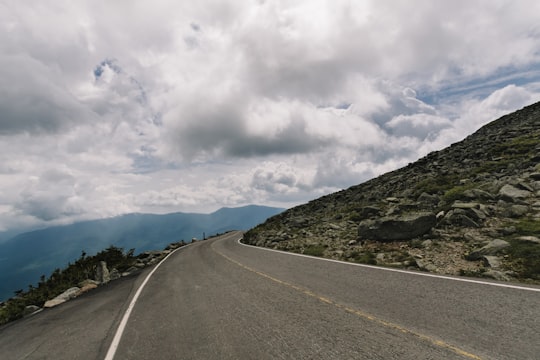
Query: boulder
490,249
102,273
63,297
86,288
511,193
404,227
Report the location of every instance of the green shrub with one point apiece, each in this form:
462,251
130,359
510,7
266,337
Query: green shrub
314,250
528,226
364,257
437,184
60,280
456,193
525,259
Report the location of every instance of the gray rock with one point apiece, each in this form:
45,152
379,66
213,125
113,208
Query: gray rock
369,211
496,275
465,205
427,243
63,297
492,261
512,194
517,211
524,186
102,273
404,227
298,222
114,274
532,239
88,282
535,176
490,249
459,217
477,194
428,199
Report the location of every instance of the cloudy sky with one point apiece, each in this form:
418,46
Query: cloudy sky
110,107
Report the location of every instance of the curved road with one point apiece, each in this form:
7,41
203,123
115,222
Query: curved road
218,299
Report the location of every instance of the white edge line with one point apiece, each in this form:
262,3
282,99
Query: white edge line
395,270
120,331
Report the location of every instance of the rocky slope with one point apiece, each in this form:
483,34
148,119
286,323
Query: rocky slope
470,209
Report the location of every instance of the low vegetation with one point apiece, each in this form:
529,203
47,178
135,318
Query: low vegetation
60,280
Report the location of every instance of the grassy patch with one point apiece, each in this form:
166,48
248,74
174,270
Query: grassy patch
437,184
314,250
363,257
528,226
524,259
472,273
456,193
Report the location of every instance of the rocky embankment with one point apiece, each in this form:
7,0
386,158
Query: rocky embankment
470,209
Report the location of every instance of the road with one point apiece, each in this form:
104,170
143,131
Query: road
218,299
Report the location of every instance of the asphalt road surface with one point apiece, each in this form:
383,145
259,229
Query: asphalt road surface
218,299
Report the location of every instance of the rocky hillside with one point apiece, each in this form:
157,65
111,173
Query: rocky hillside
470,209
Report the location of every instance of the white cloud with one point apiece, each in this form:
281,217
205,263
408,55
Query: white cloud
192,106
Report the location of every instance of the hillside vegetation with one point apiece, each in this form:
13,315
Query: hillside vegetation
470,209
83,269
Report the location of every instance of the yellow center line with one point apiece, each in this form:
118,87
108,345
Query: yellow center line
356,312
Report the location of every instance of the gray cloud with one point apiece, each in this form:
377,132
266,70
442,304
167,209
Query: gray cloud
33,99
222,130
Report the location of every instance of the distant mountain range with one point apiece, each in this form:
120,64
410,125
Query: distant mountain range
26,257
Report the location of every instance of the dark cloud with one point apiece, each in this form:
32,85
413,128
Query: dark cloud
33,100
47,207
222,130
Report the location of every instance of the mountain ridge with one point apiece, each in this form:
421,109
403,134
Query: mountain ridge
462,198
